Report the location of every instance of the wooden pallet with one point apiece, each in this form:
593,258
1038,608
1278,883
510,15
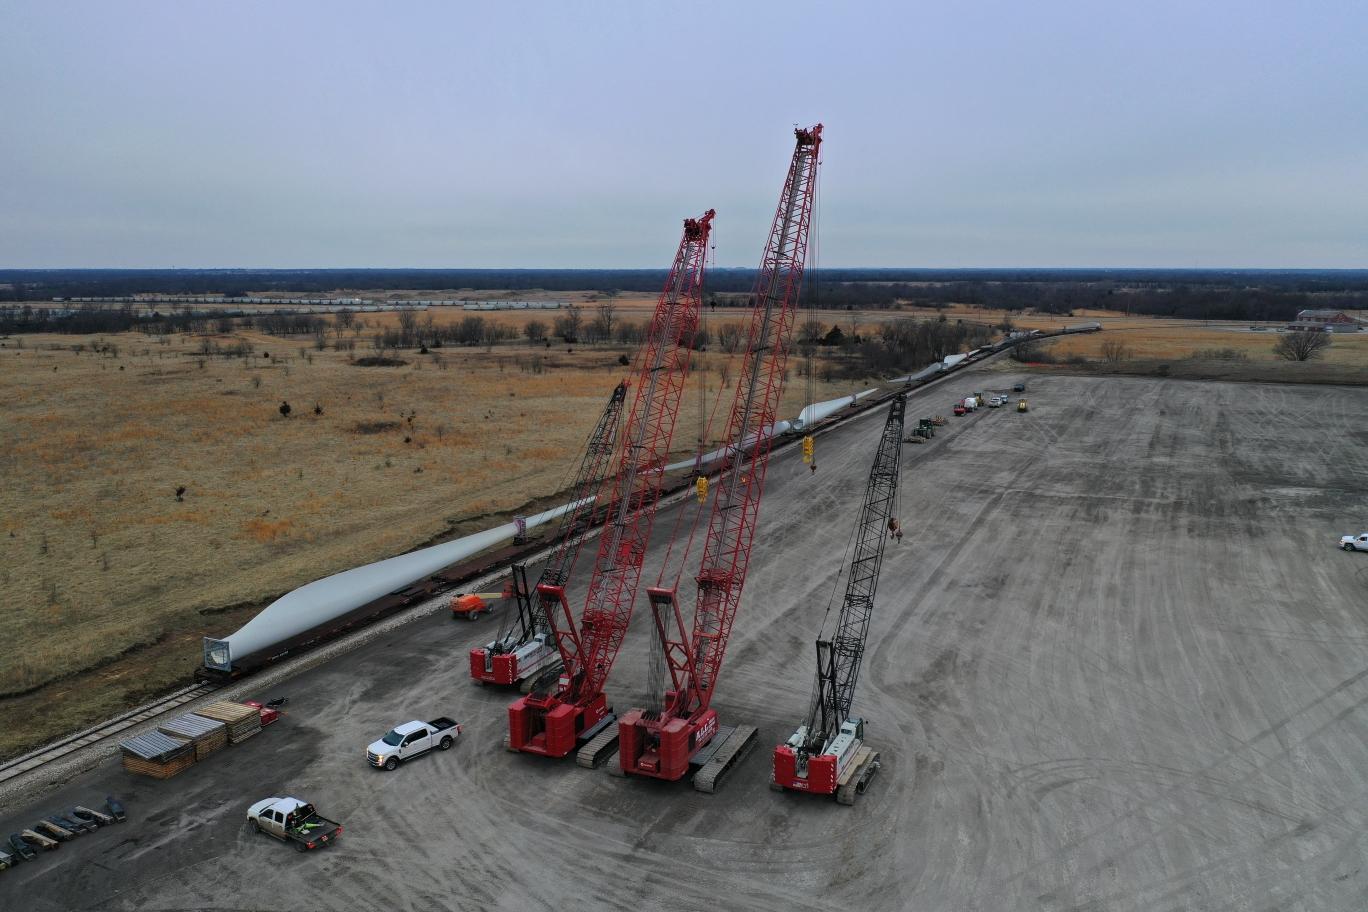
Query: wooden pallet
203,746
243,721
207,735
159,769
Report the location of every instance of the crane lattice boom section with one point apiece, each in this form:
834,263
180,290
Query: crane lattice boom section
555,716
586,494
587,491
736,507
838,659
662,369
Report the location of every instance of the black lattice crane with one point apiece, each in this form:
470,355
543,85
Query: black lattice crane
827,755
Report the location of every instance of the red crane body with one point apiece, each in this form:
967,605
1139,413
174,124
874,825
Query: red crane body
524,652
660,742
553,721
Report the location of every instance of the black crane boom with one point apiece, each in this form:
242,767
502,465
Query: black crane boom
838,659
574,524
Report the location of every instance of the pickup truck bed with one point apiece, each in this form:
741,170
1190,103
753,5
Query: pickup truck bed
313,832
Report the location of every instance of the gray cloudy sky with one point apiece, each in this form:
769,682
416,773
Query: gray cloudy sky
1003,133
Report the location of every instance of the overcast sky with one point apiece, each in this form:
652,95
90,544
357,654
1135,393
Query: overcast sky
1044,133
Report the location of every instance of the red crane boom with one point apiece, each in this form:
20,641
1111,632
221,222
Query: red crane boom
661,742
552,721
530,649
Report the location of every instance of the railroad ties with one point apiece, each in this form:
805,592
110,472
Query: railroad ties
64,747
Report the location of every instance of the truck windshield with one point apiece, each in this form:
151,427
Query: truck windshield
393,739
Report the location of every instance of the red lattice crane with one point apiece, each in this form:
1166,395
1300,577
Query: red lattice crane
663,741
553,720
525,647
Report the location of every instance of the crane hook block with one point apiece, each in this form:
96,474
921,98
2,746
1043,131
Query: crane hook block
702,488
807,449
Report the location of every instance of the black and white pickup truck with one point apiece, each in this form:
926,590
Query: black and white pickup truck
292,820
404,742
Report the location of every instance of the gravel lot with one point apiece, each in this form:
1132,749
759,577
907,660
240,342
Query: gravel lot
1117,663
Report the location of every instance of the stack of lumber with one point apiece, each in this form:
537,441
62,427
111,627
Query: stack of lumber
157,755
207,735
242,721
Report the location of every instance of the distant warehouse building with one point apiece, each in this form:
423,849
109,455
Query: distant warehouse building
1336,321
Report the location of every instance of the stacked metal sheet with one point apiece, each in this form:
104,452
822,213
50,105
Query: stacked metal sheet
242,721
157,755
207,735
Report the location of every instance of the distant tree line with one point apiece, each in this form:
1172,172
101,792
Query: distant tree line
1189,294
94,318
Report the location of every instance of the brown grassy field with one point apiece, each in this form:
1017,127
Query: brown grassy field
107,581
101,567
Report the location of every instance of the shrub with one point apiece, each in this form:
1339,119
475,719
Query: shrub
1219,354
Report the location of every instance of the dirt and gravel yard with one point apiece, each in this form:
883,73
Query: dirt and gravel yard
1117,663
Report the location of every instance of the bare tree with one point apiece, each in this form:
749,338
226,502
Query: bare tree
569,324
470,331
630,332
408,328
1112,350
535,330
1301,345
342,321
729,337
606,320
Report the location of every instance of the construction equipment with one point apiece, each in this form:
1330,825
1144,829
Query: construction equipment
573,710
470,605
526,647
1022,406
827,755
681,730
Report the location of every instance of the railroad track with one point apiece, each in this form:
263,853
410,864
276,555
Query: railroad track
12,769
109,728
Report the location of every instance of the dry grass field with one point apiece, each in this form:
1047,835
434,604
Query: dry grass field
108,581
103,569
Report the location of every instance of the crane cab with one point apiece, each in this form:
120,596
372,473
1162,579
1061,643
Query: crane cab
843,746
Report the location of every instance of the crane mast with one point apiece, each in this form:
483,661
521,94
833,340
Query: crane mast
660,742
827,754
551,721
526,646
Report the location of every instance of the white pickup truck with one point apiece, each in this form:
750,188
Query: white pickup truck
292,820
404,742
1355,542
